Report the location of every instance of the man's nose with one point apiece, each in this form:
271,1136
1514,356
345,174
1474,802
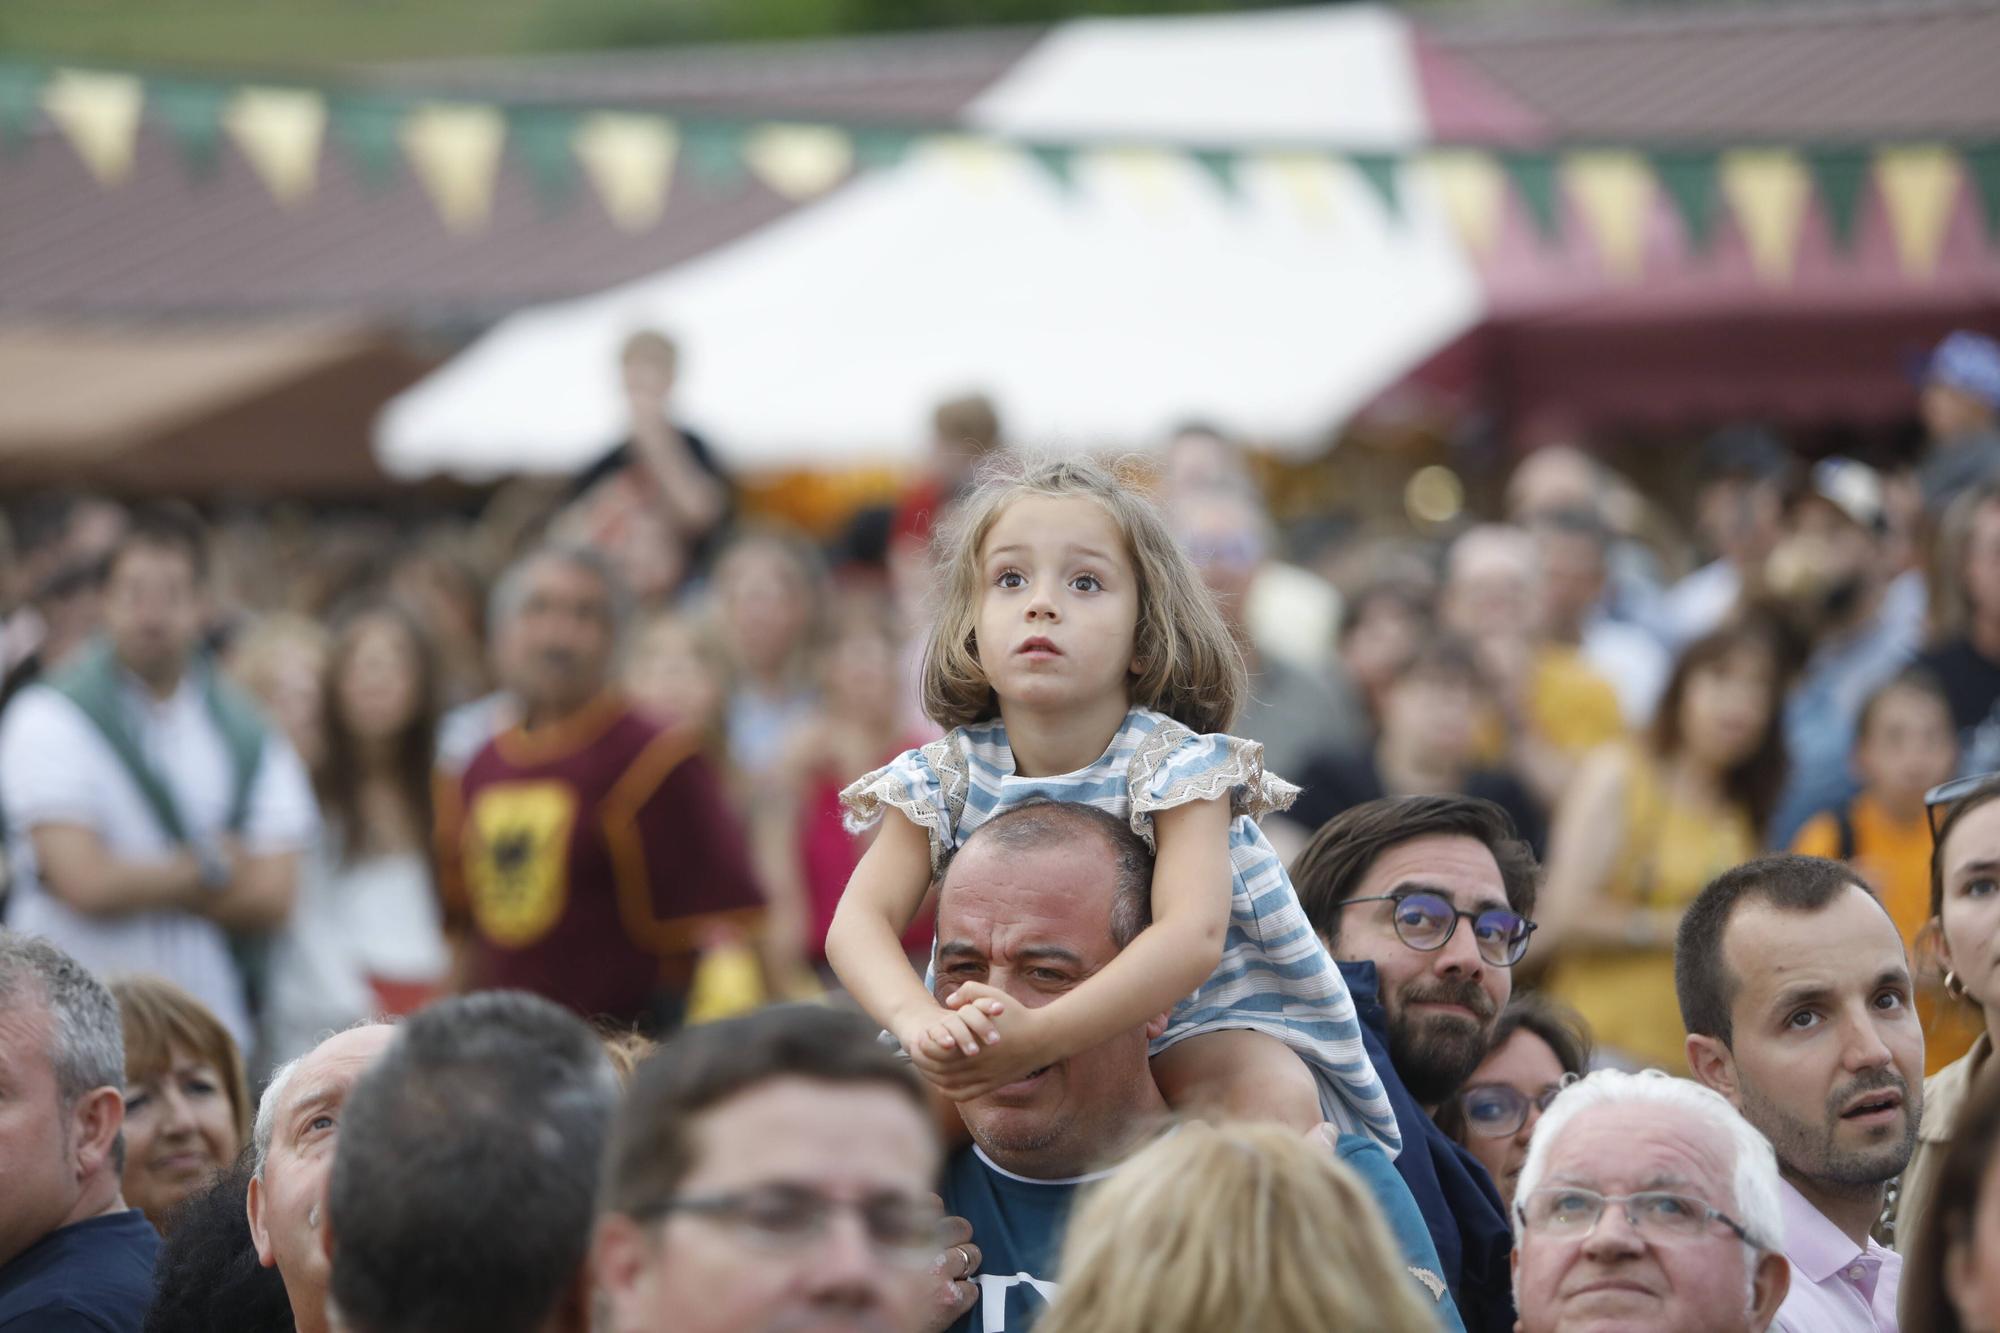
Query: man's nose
846,1271
1864,1046
1460,954
1613,1236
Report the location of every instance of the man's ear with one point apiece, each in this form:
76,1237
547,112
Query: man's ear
1768,1286
253,1207
1714,1066
95,1124
618,1255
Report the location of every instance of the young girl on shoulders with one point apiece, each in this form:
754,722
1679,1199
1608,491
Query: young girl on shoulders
1076,656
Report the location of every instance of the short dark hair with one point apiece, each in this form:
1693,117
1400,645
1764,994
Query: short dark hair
1330,869
652,1142
1702,981
208,1276
1910,680
1044,823
466,1180
164,525
1561,1028
1445,656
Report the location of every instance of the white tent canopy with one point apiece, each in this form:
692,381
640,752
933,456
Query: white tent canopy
1096,315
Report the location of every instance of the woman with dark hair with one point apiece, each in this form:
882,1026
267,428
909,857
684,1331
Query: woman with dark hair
1538,1047
208,1278
365,939
1647,823
1951,1281
1965,924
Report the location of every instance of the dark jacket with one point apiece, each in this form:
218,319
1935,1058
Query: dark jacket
1453,1192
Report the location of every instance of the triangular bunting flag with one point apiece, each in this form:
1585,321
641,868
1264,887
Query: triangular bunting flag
1534,176
1982,163
1309,183
1059,160
714,150
1614,193
545,142
20,102
1768,189
976,164
100,114
455,150
279,131
1919,189
799,162
1473,191
630,160
1379,170
1688,177
879,150
371,132
1147,176
1839,173
192,113
1220,164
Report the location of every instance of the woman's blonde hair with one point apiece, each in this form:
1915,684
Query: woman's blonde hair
159,1019
1234,1226
1189,666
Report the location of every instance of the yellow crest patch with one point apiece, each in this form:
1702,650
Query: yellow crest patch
517,859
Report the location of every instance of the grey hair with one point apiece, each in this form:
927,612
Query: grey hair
510,590
1044,823
87,1038
1756,1205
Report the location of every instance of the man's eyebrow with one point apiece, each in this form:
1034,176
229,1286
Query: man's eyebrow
1484,903
316,1099
958,947
1049,953
1804,992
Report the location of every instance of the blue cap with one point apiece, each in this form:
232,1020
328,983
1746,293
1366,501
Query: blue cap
1968,362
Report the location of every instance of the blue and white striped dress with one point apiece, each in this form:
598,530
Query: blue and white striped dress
1275,977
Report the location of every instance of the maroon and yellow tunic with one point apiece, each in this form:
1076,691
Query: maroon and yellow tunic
586,861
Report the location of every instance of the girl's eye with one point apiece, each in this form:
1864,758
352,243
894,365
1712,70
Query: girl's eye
1010,578
1086,583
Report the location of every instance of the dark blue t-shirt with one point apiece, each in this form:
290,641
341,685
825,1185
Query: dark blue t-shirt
1017,1224
90,1277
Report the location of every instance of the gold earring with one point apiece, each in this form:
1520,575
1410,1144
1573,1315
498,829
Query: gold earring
1953,986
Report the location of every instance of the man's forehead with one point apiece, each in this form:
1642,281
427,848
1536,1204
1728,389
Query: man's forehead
1638,1146
1848,943
337,1062
1461,868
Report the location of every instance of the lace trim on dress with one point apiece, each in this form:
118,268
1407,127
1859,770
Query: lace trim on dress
863,799
1252,791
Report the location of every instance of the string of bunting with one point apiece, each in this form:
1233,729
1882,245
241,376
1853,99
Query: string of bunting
456,148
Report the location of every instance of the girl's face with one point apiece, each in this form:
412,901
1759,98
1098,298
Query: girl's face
1525,1064
179,1131
379,680
1970,913
1909,746
1972,1263
1727,707
670,680
1058,604
766,605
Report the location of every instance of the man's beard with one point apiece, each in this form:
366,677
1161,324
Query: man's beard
1434,1054
1808,1149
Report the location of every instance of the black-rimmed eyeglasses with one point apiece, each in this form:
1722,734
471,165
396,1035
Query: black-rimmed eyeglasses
1939,800
1425,921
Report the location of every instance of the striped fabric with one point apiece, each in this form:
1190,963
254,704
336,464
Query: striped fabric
1275,976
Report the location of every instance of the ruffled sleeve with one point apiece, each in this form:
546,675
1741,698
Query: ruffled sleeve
914,782
1174,766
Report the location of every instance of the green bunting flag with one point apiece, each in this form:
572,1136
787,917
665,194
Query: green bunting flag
1379,170
1688,177
545,142
370,132
1839,174
1534,177
20,104
1220,164
1982,164
714,149
1058,160
879,150
192,113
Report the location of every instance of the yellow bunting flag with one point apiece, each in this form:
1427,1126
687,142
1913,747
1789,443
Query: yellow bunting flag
1151,177
799,161
1919,188
1311,184
280,131
100,114
1614,193
1768,190
1473,190
454,148
978,165
630,161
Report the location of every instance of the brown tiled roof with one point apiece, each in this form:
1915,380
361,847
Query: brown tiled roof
1811,71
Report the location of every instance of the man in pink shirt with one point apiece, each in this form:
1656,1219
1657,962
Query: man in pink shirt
1795,991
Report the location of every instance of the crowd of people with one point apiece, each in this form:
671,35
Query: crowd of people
1057,900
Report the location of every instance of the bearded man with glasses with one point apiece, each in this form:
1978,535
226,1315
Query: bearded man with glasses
1425,903
1648,1205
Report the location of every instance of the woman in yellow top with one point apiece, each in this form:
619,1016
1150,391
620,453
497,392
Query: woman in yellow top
1904,745
1647,823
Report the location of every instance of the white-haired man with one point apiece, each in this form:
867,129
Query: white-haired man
298,1123
1647,1204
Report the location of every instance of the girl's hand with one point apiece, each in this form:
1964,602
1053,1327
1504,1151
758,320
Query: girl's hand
1020,1047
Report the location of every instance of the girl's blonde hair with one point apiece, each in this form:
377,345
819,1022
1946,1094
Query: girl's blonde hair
1234,1226
1189,666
